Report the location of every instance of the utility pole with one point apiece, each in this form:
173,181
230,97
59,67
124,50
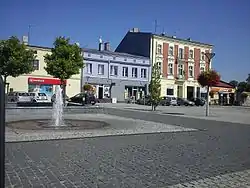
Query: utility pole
29,34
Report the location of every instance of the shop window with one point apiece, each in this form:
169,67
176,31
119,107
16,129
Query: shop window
36,64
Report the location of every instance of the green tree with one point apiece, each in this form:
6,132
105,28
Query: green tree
15,58
233,83
248,78
155,86
207,79
65,60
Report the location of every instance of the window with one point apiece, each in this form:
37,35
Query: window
134,60
160,66
125,59
159,49
202,69
89,68
170,91
180,53
144,61
35,64
89,55
191,54
143,73
180,69
134,72
114,58
113,70
101,69
125,71
101,56
190,71
170,68
171,51
202,56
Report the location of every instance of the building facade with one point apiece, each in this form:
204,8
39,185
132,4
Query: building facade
116,75
181,61
39,80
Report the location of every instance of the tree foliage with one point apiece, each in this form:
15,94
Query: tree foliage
155,86
65,60
15,58
208,78
248,78
233,83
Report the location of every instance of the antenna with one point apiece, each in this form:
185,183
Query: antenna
29,34
156,25
100,39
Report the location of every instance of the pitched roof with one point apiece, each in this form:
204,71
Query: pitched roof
223,84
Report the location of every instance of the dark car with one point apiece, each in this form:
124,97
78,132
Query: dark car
184,102
54,97
199,101
165,101
83,98
144,100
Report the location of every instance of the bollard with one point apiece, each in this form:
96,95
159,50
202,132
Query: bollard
2,133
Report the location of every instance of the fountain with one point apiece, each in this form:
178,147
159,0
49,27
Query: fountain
58,121
57,111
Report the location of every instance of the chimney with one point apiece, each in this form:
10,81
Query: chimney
100,44
107,46
25,40
134,30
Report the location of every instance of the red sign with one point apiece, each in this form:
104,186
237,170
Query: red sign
45,81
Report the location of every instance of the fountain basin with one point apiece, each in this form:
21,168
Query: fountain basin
47,124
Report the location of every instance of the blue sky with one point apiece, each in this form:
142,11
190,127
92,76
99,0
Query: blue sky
223,23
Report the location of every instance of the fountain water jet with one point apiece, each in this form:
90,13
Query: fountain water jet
57,112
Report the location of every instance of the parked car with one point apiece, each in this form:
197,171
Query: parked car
144,100
173,101
185,102
53,98
83,98
198,101
18,97
165,101
38,97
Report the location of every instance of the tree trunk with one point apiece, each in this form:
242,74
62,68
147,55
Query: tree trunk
207,104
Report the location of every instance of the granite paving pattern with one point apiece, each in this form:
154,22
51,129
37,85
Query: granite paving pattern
215,155
118,126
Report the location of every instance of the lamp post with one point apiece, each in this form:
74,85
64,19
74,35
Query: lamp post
2,133
209,56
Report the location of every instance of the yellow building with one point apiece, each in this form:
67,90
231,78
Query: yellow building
39,80
181,60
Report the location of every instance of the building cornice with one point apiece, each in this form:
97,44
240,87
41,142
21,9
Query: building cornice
182,41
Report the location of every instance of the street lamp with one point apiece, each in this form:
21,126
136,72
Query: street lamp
209,56
2,132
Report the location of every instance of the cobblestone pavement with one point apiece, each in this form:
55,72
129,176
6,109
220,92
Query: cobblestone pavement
218,113
117,126
215,156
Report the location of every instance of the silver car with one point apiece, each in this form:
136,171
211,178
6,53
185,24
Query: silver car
18,97
173,101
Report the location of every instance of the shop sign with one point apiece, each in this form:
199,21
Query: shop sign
44,81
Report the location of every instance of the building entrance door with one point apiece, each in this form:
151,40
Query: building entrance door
100,92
